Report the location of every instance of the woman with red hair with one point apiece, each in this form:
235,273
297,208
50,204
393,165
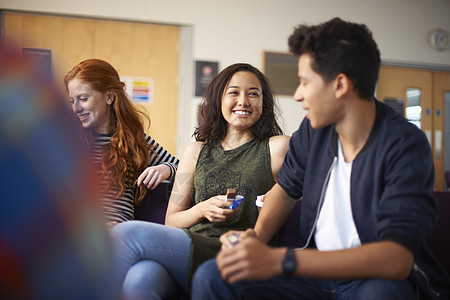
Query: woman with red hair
129,161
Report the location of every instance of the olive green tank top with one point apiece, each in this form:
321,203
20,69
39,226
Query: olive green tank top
247,169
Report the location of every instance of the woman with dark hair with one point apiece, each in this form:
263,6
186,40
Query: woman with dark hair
238,145
213,126
125,154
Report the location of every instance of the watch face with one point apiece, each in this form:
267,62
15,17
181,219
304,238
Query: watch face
439,40
289,263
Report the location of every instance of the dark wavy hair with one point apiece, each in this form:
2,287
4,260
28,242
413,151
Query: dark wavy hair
128,154
338,47
213,126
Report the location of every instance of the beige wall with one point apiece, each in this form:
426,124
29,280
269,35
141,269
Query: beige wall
239,31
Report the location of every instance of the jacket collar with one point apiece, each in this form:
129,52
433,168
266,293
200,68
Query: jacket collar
379,116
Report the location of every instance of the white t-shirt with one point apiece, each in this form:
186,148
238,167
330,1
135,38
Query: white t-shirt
335,227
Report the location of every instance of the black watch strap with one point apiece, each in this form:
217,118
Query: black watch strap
289,263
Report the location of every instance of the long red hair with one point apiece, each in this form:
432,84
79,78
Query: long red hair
128,153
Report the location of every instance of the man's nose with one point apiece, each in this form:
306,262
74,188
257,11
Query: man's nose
298,95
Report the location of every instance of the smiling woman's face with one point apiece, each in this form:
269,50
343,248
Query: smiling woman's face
90,106
242,101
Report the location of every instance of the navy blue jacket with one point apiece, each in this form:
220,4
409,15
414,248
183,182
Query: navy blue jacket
391,182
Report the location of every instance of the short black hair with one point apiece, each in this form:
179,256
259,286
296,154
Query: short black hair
337,46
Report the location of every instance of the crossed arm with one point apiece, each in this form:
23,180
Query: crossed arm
252,259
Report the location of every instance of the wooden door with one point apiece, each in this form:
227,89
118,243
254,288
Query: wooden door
441,123
146,50
70,39
399,86
134,49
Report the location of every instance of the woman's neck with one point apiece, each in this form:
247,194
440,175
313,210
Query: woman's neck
104,130
235,139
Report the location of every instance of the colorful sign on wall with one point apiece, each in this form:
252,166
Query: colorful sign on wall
140,89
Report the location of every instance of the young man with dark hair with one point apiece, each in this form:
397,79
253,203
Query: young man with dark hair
366,176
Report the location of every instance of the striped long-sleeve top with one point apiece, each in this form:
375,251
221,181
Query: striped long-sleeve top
121,208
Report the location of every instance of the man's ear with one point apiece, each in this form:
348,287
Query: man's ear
341,85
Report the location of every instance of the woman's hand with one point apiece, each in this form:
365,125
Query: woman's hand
215,209
153,175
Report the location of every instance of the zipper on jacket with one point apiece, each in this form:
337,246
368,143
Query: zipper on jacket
322,196
418,269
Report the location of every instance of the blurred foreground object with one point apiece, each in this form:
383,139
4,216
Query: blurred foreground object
52,245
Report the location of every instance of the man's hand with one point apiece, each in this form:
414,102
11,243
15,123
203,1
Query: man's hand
242,235
249,259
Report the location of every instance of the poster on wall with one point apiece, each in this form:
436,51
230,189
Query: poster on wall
139,89
205,71
41,60
281,70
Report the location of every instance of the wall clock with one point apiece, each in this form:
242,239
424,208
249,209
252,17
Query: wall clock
439,39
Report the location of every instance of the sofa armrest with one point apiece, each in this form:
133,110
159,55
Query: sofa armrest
289,233
154,204
439,241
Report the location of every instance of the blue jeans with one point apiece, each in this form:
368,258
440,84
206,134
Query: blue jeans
208,284
151,259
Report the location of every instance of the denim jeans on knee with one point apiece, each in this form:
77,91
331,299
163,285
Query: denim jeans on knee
149,256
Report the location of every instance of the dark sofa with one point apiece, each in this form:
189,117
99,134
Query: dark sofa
153,208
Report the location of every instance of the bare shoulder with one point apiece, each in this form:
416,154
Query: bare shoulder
280,139
279,144
191,151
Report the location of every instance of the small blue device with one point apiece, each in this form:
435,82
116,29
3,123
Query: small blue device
236,202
